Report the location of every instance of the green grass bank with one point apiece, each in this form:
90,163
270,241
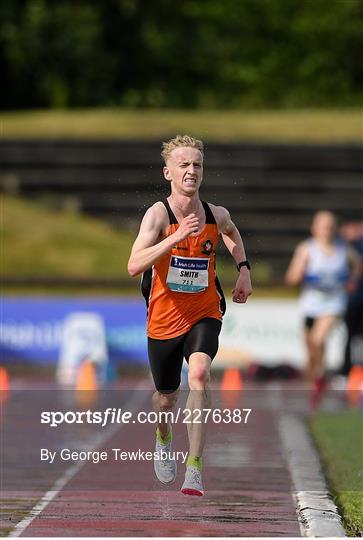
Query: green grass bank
339,439
294,126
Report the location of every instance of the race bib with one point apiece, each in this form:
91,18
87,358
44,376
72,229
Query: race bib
187,274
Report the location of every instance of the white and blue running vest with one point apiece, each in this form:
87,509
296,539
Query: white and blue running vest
323,291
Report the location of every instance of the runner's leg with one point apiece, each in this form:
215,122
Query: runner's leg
164,403
319,334
166,360
198,400
201,345
309,369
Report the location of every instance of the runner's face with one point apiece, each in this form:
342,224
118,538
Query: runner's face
324,226
184,169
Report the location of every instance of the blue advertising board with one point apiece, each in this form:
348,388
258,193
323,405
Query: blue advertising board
32,328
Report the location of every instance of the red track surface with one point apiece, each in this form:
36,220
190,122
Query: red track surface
247,484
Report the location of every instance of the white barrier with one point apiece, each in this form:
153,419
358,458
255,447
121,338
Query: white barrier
270,331
84,338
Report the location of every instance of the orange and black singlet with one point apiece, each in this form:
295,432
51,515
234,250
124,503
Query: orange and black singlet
182,287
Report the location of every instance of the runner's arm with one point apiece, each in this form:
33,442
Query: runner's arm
356,262
295,272
146,249
233,242
231,237
356,269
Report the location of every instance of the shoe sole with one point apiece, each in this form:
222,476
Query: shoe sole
191,491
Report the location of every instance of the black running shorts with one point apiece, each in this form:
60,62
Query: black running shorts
309,322
166,355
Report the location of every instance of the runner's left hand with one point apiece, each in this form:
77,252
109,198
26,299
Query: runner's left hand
243,288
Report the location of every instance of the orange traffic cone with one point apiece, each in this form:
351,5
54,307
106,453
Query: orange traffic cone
354,385
231,387
4,385
87,378
87,384
232,380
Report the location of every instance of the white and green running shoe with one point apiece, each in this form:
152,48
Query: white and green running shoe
193,482
164,466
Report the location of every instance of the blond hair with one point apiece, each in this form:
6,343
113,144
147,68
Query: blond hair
180,140
324,214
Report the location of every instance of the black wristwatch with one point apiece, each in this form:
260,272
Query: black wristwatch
243,263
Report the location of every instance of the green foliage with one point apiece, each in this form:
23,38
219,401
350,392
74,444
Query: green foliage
230,54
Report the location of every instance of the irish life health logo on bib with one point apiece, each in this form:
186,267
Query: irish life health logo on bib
188,274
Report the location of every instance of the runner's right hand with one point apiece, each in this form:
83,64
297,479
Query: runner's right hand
188,226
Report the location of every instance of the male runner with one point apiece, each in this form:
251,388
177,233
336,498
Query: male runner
175,251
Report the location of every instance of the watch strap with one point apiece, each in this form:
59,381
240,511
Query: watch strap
243,263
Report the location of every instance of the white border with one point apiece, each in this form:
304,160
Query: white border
317,513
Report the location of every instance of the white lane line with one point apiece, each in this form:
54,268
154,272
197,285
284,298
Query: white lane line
317,513
74,469
274,399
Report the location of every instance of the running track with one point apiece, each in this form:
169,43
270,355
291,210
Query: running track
247,482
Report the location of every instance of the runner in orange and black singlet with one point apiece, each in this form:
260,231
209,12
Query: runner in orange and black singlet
185,302
175,251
